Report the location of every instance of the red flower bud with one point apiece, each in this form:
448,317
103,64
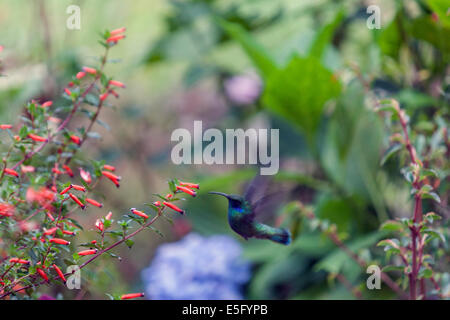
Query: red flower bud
11,172
80,75
139,213
17,260
187,190
67,91
110,168
131,296
60,241
115,38
57,171
117,83
65,190
169,195
42,274
37,138
108,216
77,201
68,170
47,104
59,272
94,241
5,126
173,207
50,231
117,31
75,139
94,203
49,215
190,185
157,203
111,176
90,70
87,252
103,96
27,169
77,187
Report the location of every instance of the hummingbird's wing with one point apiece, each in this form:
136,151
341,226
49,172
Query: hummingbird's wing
256,188
265,197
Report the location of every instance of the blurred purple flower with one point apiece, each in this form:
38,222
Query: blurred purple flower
243,89
197,267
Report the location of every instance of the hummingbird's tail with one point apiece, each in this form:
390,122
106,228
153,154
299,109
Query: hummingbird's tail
282,236
279,235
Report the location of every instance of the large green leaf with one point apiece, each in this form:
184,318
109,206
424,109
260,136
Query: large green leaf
299,92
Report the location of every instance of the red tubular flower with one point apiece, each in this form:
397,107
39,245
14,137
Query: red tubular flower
94,203
49,215
77,187
71,84
169,195
65,190
77,201
131,296
115,38
47,104
50,231
68,170
117,31
60,241
67,91
111,176
80,75
86,176
139,213
114,93
87,252
57,171
11,172
190,185
108,216
117,83
109,167
75,139
6,209
94,241
187,190
27,169
99,225
42,274
17,260
5,126
116,183
90,70
54,119
157,203
173,207
59,272
103,96
70,233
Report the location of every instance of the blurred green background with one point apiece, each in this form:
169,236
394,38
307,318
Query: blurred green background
321,68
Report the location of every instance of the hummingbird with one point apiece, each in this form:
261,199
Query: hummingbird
241,218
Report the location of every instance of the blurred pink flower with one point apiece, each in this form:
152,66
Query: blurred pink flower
243,89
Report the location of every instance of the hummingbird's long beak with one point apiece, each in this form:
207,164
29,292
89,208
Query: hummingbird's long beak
219,193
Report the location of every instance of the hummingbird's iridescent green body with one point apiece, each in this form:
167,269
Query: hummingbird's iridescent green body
241,218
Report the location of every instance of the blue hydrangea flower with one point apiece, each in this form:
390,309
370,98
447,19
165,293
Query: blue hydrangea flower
197,267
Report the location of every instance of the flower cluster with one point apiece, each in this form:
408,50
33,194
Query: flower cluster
197,268
43,182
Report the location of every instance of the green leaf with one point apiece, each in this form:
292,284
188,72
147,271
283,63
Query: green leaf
390,152
325,36
393,268
392,225
257,53
299,92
